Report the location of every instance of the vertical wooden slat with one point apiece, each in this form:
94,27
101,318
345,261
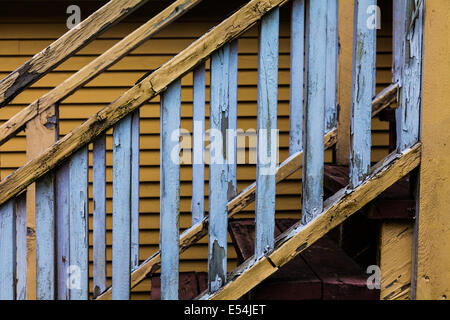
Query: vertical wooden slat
297,66
332,65
170,191
121,247
45,238
62,196
198,166
78,221
267,123
8,251
364,52
218,170
99,220
135,177
232,119
21,243
408,52
313,154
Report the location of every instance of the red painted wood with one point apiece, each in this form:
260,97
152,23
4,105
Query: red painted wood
191,285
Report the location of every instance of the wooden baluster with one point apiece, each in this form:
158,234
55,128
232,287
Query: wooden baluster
231,131
218,170
62,196
45,238
332,66
121,247
313,154
297,66
21,244
267,126
170,191
198,166
99,216
135,177
364,52
78,221
8,250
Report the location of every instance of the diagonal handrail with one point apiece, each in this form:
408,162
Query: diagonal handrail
247,196
66,46
95,67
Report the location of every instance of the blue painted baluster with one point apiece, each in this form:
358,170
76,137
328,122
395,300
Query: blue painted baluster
313,136
332,65
8,250
62,196
121,247
297,66
364,51
21,243
408,55
99,219
198,167
231,130
135,150
267,134
78,221
218,170
45,238
170,190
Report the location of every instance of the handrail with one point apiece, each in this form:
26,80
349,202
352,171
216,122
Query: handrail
148,88
66,46
94,68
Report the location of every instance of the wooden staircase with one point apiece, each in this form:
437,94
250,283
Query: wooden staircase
60,169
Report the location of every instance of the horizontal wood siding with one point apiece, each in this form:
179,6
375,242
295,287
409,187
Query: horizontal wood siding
18,42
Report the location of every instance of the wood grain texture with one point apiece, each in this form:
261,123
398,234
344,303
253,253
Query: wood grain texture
267,133
364,53
314,123
65,46
78,221
170,191
299,237
135,188
21,246
121,248
8,251
97,66
332,65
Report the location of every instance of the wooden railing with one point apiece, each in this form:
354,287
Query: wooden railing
67,159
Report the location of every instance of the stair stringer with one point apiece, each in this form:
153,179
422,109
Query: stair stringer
299,237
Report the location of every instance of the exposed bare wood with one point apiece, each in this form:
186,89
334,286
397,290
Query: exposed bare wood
94,68
66,46
337,209
385,99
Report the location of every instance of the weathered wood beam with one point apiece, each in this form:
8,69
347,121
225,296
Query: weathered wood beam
299,237
66,46
94,68
241,201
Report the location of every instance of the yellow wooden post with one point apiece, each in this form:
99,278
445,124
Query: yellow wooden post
433,240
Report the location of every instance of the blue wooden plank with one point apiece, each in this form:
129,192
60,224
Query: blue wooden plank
135,177
267,135
232,119
408,55
218,170
45,238
297,66
99,216
313,154
198,166
332,65
78,221
8,251
62,195
21,243
364,52
170,191
121,247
